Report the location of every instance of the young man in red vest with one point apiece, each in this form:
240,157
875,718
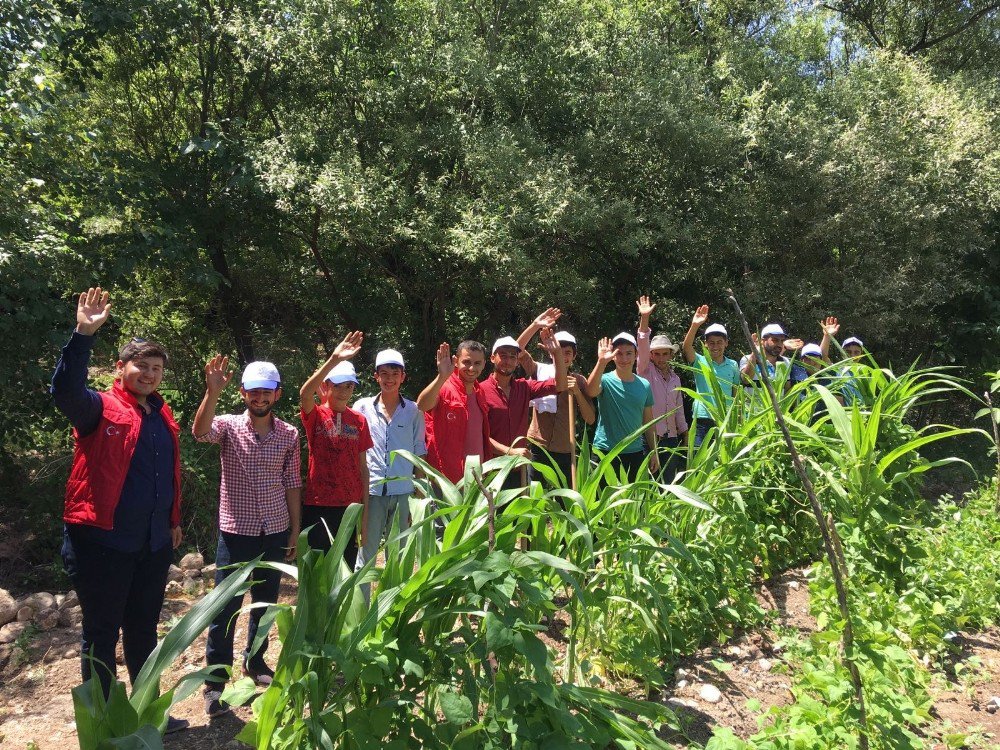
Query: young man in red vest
123,503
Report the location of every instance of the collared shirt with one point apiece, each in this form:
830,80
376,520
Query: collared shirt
335,439
256,472
447,425
666,398
508,412
142,515
404,430
550,429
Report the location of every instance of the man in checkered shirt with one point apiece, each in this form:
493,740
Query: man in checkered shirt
259,508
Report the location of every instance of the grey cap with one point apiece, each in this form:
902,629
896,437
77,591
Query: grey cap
662,341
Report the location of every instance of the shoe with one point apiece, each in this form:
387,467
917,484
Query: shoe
261,674
176,725
214,705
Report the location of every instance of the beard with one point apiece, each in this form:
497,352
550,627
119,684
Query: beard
260,411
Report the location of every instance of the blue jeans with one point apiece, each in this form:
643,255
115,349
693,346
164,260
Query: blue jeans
701,428
120,593
237,548
381,509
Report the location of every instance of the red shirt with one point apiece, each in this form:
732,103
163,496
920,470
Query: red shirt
446,427
335,441
508,412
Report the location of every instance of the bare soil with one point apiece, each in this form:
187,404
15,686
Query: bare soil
36,710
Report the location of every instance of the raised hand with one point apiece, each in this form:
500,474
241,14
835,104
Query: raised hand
549,343
756,346
217,374
645,306
700,316
92,311
830,326
605,351
445,363
350,346
793,345
548,318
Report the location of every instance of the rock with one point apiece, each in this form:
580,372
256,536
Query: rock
8,607
10,632
71,617
71,600
992,705
47,619
192,561
734,651
25,614
5,651
193,573
38,602
710,693
71,653
209,571
681,684
174,588
793,584
191,586
174,574
765,664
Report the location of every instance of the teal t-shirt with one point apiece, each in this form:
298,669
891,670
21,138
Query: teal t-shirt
728,375
619,411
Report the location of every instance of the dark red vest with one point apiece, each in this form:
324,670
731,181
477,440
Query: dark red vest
445,428
101,460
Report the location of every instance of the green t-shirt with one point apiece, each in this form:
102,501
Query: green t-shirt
728,375
619,411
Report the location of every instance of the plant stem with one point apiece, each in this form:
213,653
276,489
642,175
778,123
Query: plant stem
491,510
996,441
830,542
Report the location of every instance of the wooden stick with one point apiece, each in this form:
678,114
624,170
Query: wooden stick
572,443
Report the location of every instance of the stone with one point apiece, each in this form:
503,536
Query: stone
681,684
71,600
47,619
5,651
793,584
71,653
174,574
992,705
25,614
209,571
192,561
765,664
10,632
71,617
710,693
174,588
191,586
192,573
8,607
38,602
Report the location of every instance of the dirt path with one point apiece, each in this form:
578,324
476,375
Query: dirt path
36,711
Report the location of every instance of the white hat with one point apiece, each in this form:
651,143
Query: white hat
626,337
504,342
662,341
389,357
811,350
716,328
565,337
772,329
853,340
343,373
261,375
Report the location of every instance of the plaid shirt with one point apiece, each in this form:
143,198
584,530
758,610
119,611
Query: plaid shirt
255,474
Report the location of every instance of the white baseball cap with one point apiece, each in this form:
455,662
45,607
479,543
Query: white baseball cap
718,329
811,350
626,337
343,373
853,340
261,375
505,341
389,357
772,329
565,337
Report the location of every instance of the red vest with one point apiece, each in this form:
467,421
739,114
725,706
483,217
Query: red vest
101,460
445,427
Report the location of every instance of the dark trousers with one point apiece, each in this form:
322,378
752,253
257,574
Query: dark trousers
233,549
630,462
561,460
670,462
701,428
314,515
120,593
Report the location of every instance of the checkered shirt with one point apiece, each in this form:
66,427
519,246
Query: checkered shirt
255,473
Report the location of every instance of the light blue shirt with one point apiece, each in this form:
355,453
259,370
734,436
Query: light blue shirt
405,431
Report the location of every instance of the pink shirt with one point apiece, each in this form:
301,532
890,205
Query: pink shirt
474,429
256,472
666,398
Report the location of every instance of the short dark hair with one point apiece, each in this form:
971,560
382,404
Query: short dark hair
470,345
142,349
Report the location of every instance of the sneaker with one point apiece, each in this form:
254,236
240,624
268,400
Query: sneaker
176,725
214,705
261,674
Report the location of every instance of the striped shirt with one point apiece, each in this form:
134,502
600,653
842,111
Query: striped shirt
256,472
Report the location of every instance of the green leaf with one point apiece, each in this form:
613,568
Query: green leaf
457,709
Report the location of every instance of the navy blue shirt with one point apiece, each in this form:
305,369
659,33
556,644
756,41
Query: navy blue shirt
143,513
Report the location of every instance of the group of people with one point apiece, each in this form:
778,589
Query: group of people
122,507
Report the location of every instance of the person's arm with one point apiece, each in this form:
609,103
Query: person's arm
511,450
554,350
697,321
650,434
547,319
346,349
216,378
645,310
293,496
576,386
365,478
70,394
748,365
605,353
830,327
428,397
